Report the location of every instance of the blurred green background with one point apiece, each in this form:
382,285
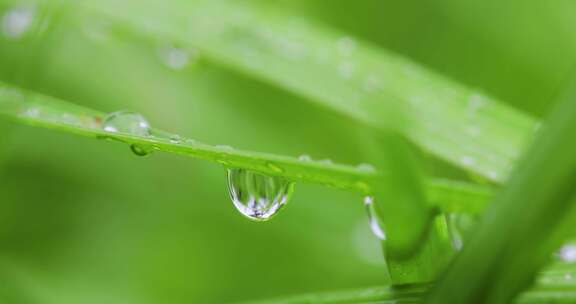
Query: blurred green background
85,221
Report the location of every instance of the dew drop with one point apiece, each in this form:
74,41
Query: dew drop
175,139
126,122
568,253
365,167
305,158
140,150
257,196
373,219
493,175
225,147
326,161
32,112
467,161
176,58
346,46
16,22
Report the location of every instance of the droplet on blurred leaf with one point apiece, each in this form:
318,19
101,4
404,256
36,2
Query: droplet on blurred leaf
131,123
257,196
305,158
175,139
176,58
373,219
365,167
126,122
567,253
225,147
16,21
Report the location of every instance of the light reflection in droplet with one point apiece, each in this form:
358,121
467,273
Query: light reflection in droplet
373,219
17,21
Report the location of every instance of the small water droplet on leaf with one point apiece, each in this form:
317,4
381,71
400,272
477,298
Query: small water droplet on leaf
176,58
467,161
305,158
567,253
175,139
225,147
16,21
365,167
126,122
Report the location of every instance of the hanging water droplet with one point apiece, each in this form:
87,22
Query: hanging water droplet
257,196
140,150
126,122
567,253
373,219
16,22
305,158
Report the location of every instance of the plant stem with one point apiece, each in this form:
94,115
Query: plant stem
43,111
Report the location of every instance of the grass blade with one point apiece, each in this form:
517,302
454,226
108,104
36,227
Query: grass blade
458,124
48,112
520,231
552,292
